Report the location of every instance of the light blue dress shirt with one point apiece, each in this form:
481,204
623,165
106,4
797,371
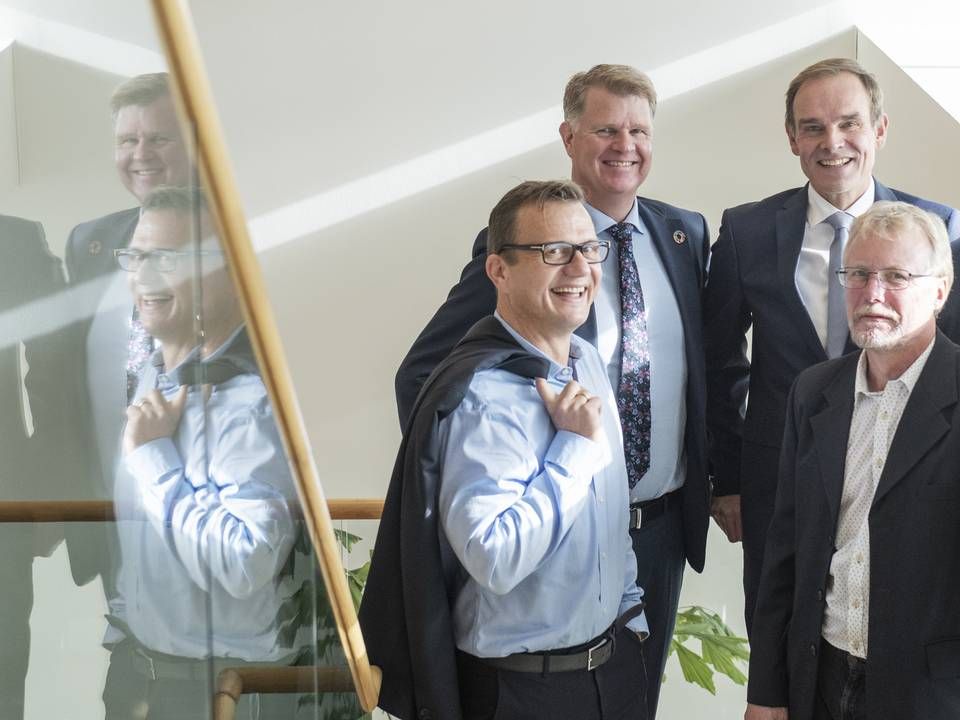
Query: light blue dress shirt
538,518
668,359
207,526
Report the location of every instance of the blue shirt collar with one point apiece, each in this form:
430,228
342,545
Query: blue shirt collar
561,373
603,222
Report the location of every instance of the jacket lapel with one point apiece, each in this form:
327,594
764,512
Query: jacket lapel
922,424
831,430
675,257
790,223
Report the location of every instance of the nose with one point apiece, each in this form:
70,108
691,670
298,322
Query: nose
142,149
578,265
834,137
621,140
873,291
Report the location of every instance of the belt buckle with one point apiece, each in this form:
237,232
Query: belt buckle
599,646
150,665
636,518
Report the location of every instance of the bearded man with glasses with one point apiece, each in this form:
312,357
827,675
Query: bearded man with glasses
856,615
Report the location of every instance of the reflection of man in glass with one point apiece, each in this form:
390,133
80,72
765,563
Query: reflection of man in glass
203,491
149,151
30,437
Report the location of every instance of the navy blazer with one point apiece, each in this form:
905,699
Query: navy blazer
475,297
752,268
913,633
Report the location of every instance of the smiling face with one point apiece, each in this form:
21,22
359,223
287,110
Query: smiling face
611,149
149,150
165,300
835,138
546,303
894,320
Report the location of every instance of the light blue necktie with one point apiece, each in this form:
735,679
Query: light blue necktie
837,328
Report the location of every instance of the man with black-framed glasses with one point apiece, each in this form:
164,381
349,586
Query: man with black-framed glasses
645,323
503,578
856,615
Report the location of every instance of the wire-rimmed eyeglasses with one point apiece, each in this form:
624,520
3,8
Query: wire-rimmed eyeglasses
856,278
164,261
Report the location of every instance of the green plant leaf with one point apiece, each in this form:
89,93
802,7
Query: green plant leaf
695,670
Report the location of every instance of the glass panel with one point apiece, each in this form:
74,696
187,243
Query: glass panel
153,539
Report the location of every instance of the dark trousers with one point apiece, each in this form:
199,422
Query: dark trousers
758,491
129,694
611,692
841,686
658,545
16,596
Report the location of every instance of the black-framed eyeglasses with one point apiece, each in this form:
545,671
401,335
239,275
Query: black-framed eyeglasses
561,253
164,261
856,278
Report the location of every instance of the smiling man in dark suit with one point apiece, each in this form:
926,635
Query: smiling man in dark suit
771,269
149,151
857,612
645,322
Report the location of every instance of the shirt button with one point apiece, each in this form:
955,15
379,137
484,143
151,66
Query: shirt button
879,463
856,603
603,555
859,558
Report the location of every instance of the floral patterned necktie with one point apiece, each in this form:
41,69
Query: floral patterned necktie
139,349
633,393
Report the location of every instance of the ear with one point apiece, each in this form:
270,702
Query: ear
880,130
566,135
942,292
792,139
497,270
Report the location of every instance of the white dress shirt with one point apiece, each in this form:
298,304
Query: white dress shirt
876,416
813,264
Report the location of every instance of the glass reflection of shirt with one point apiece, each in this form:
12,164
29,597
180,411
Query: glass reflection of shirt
538,518
211,525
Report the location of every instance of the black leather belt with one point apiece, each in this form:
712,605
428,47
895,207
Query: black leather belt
647,510
592,655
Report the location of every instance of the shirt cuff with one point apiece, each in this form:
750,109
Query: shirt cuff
154,460
639,625
576,455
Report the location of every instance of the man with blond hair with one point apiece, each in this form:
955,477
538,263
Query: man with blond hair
646,324
772,270
856,615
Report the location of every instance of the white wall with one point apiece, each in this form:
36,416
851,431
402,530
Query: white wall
314,96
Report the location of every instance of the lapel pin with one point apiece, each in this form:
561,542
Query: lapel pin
96,246
679,237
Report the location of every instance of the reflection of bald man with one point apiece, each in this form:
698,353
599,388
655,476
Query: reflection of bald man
205,566
31,440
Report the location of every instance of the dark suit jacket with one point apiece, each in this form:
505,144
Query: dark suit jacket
914,615
414,576
89,258
475,296
751,282
32,466
90,247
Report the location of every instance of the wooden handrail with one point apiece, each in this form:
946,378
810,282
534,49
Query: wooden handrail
234,682
50,511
